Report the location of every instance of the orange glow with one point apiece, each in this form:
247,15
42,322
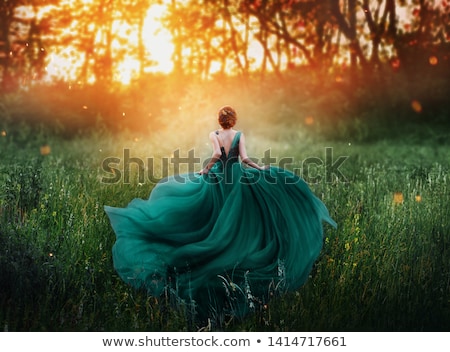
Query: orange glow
395,63
398,198
433,60
148,47
416,106
418,198
159,38
309,120
65,63
3,133
45,150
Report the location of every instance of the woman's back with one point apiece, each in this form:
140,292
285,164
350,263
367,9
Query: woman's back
229,144
226,139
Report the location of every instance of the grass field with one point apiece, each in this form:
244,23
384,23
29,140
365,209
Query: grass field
385,268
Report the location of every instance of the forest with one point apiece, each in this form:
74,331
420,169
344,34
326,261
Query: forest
140,58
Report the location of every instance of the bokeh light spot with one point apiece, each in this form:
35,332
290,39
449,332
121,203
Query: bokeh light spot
416,106
45,149
309,120
433,60
395,63
398,198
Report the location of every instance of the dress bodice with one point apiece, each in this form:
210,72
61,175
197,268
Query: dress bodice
233,154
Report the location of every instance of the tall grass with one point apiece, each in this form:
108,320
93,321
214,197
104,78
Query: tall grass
386,267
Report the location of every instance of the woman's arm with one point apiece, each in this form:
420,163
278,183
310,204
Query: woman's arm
215,155
244,157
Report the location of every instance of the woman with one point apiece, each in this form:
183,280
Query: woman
225,238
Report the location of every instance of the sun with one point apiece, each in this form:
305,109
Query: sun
158,40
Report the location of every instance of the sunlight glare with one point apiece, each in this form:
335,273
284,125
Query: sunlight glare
158,40
68,63
61,65
126,70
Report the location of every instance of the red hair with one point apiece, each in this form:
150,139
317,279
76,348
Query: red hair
227,117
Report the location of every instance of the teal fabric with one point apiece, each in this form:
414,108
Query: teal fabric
233,229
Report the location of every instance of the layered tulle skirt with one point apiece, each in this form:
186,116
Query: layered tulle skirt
236,233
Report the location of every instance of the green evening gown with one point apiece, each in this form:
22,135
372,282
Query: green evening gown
231,235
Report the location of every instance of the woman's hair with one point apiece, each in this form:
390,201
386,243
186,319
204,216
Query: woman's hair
227,117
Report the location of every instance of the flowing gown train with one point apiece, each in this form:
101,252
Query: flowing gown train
230,234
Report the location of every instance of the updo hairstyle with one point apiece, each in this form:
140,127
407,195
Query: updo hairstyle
227,117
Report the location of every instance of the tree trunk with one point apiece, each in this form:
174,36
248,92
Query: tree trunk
6,9
349,30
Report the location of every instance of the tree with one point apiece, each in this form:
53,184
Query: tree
24,29
381,25
95,38
100,36
201,35
7,9
300,32
345,16
424,42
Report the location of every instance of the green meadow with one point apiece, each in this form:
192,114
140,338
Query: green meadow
385,268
